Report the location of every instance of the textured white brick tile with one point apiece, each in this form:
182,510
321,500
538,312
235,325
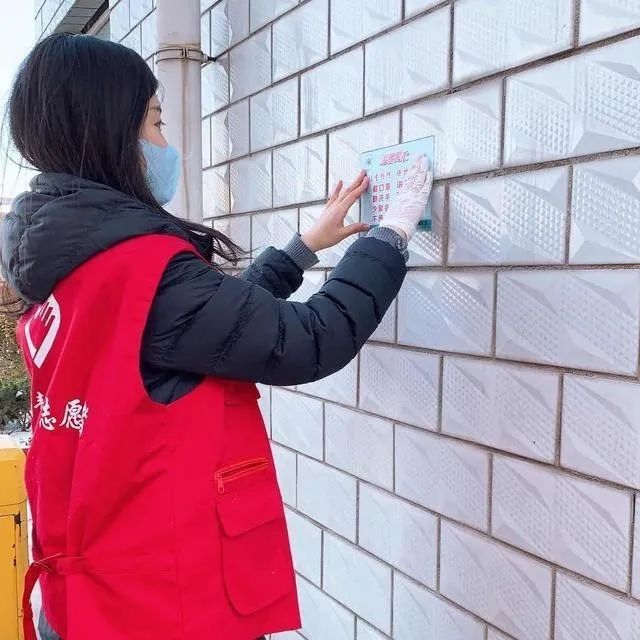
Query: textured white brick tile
443,475
466,126
306,546
118,20
215,86
418,613
346,145
250,65
586,319
339,387
360,445
328,257
287,635
265,405
139,9
587,613
205,33
148,35
502,586
300,39
509,220
311,283
601,428
206,142
425,248
605,224
424,52
496,635
274,115
229,24
134,40
603,18
506,407
399,384
489,36
322,617
581,105
399,533
273,230
238,228
215,191
355,20
251,183
230,132
415,6
357,580
285,462
387,328
264,11
578,524
328,496
451,312
299,173
332,93
296,421
367,632
635,570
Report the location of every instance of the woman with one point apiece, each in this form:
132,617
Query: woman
156,507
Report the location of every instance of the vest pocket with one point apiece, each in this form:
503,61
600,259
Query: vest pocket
256,561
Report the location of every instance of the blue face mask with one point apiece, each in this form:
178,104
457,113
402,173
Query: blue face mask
163,170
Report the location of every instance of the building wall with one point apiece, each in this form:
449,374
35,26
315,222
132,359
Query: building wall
472,475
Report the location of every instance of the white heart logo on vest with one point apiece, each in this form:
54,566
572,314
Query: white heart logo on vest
46,319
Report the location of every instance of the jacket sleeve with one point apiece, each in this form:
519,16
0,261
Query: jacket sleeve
204,322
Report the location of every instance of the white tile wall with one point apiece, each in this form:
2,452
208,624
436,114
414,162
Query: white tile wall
387,328
311,284
403,535
285,461
339,387
300,39
148,35
496,635
306,546
447,312
418,613
118,20
297,422
635,569
272,230
578,106
425,249
601,428
591,614
365,631
585,319
229,24
328,496
331,93
412,7
251,183
230,132
519,219
489,36
443,475
359,581
360,444
274,116
263,11
507,407
602,18
329,257
250,65
139,9
206,142
424,70
354,20
466,126
402,385
215,191
238,228
502,586
323,616
575,523
299,172
606,212
215,86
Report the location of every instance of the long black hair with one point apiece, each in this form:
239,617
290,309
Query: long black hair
77,106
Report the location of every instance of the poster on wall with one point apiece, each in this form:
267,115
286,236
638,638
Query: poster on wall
387,168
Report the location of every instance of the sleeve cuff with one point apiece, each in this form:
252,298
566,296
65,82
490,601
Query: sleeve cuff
298,251
391,237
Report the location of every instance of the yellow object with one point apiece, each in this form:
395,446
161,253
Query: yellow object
13,538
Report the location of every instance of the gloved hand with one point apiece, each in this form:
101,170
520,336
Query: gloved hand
407,208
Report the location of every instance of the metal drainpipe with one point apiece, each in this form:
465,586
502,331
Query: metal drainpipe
178,62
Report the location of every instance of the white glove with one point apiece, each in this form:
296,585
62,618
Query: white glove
407,208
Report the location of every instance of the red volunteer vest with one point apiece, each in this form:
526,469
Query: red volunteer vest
150,521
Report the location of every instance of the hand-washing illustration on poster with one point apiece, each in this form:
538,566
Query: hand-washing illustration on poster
387,168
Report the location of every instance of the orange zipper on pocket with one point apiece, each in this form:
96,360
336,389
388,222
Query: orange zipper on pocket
240,470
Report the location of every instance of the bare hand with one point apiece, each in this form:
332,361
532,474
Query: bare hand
330,229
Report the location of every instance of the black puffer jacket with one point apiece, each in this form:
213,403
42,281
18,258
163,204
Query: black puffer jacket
202,321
